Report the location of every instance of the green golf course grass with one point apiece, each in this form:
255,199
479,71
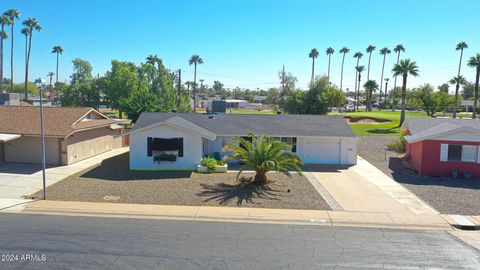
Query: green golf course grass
381,129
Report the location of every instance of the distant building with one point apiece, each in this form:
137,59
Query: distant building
9,99
260,99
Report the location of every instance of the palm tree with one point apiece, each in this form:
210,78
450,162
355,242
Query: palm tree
370,87
3,35
404,68
32,24
357,55
369,50
343,50
313,54
329,52
152,59
460,47
26,32
458,80
262,154
195,60
383,52
398,49
359,70
474,62
58,50
12,15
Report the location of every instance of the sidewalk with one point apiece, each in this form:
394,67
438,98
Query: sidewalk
231,214
14,184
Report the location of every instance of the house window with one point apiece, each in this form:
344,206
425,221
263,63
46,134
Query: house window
156,146
463,153
289,140
454,152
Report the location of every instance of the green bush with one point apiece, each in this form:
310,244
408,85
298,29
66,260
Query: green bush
209,162
399,145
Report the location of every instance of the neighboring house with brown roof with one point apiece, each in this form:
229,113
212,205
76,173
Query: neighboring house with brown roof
71,134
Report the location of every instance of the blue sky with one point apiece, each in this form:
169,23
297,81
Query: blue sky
245,43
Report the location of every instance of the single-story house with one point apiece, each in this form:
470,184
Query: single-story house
438,146
188,137
71,134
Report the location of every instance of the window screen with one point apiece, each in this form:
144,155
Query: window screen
469,153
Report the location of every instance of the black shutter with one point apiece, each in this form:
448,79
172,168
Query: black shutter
180,147
294,146
149,146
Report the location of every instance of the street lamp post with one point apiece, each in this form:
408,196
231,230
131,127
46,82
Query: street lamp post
40,84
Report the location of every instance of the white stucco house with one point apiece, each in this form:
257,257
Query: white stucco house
178,141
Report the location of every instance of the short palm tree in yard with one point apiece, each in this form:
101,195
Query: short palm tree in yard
474,62
262,155
404,68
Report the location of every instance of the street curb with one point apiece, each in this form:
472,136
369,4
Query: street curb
251,219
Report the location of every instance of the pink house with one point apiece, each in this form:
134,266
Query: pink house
438,146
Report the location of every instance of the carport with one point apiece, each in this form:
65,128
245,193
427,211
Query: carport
5,137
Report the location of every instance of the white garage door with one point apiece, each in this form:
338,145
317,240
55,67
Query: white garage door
321,151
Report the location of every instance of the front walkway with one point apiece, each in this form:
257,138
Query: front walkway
18,180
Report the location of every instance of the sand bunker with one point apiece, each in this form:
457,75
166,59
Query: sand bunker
366,120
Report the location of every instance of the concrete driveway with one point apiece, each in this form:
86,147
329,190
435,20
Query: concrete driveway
20,179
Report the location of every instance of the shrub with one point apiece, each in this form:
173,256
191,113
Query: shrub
399,145
209,162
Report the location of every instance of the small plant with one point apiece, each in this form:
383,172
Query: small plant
399,145
209,162
165,157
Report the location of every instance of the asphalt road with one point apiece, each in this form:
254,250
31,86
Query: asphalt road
62,242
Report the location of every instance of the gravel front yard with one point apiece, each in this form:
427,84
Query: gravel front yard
449,196
113,179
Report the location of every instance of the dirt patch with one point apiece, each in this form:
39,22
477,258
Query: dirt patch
366,120
113,182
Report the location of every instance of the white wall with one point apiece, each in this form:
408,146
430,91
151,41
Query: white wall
139,159
349,150
345,150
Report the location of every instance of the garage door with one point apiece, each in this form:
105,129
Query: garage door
321,151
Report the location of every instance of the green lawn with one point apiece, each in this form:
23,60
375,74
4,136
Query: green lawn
386,129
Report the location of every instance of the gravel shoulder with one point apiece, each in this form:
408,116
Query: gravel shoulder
113,178
447,195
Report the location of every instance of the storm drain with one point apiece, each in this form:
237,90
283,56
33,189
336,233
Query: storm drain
111,198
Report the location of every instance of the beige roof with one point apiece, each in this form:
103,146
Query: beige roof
58,121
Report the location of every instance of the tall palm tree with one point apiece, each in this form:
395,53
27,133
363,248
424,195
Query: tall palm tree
3,35
460,47
398,50
26,32
474,62
262,154
357,55
383,52
152,59
404,68
313,54
195,60
344,51
329,52
359,70
369,50
58,50
370,87
32,24
12,15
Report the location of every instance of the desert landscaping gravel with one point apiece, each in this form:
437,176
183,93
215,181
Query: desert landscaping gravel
447,195
113,182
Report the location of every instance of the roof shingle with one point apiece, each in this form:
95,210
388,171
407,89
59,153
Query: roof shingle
268,124
58,121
